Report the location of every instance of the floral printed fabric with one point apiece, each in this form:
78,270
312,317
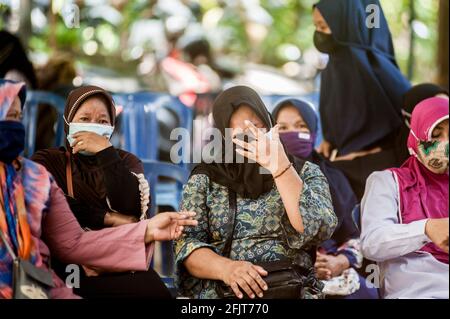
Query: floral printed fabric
343,285
263,231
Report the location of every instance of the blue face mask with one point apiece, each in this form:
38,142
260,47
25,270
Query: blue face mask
12,140
99,129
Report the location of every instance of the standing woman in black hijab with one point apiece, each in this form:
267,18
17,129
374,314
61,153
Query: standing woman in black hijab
281,214
361,88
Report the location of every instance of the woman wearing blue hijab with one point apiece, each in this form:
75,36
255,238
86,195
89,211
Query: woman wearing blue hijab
361,87
339,256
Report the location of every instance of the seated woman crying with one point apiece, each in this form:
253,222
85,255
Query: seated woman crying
252,215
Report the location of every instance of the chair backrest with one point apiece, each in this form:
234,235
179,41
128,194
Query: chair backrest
139,128
155,169
34,98
356,216
149,103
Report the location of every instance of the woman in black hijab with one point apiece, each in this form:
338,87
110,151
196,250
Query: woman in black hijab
283,206
361,88
414,96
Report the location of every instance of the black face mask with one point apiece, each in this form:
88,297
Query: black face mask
324,42
12,140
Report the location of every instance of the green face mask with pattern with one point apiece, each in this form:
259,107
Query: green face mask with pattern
434,155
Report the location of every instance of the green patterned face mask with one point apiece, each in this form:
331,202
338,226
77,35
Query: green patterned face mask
434,155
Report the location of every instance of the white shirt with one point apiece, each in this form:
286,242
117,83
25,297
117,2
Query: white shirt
405,272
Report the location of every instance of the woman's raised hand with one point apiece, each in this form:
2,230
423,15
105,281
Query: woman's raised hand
89,142
267,152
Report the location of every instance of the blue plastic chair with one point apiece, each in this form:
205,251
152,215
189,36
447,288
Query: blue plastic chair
30,118
137,126
151,102
161,195
165,197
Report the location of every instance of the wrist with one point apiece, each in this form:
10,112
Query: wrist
282,164
428,226
226,265
103,146
107,220
282,169
149,234
344,263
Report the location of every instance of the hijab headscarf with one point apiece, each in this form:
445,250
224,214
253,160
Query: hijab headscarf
411,98
243,178
87,175
12,200
423,194
343,198
362,83
78,96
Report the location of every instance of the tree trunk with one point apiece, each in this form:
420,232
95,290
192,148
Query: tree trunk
442,77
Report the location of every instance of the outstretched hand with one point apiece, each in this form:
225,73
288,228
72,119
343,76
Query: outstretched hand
168,226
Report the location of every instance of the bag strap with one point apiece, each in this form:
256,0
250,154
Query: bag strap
69,175
232,210
8,246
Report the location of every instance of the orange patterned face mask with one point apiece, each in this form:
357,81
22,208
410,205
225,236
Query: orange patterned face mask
13,214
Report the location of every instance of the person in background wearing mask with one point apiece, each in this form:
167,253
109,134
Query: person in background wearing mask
413,97
36,221
338,257
361,89
105,187
405,211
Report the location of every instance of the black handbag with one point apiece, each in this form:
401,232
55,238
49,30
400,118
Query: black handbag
286,279
29,282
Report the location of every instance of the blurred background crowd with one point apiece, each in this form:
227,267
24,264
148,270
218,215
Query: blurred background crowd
189,47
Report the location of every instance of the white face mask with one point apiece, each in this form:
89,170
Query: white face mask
99,129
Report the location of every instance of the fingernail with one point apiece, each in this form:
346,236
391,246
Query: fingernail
260,295
265,287
240,296
252,296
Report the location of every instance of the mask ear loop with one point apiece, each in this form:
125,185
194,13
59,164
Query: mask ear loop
269,132
65,120
407,118
411,151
